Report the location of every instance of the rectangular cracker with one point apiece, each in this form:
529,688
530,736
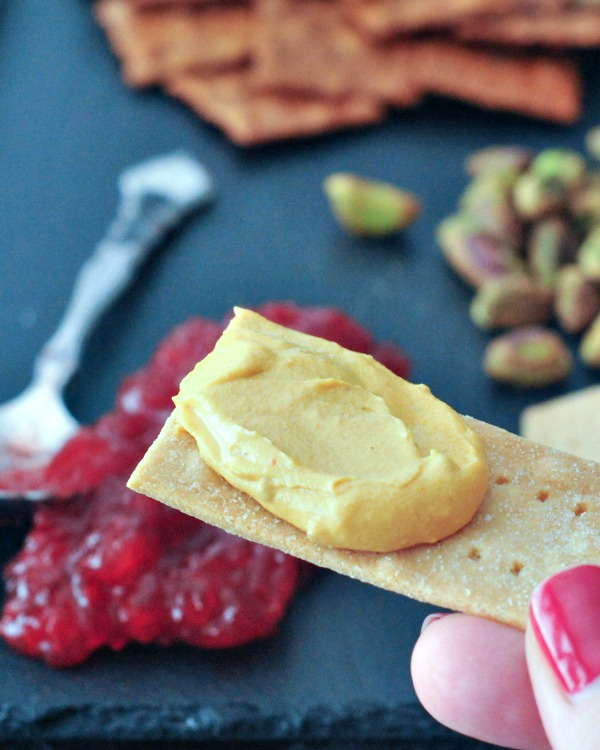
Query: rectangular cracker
563,28
155,44
250,118
307,46
570,423
540,515
535,85
384,19
185,3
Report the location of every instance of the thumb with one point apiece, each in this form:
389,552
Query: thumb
563,656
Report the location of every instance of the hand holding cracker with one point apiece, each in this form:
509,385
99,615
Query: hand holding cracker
476,676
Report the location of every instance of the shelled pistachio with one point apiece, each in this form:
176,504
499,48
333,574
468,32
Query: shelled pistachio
370,208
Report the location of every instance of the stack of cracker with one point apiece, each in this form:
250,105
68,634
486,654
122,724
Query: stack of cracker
265,70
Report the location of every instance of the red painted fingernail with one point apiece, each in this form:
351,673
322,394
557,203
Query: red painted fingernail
565,615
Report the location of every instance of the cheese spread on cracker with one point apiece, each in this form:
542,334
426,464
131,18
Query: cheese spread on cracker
330,440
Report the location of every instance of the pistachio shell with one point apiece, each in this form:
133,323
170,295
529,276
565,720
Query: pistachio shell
365,207
592,141
589,349
585,202
534,197
512,301
498,159
589,255
551,243
528,357
488,201
560,165
476,256
577,299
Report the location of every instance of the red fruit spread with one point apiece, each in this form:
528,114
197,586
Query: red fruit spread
107,566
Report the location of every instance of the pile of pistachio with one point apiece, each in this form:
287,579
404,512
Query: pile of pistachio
527,239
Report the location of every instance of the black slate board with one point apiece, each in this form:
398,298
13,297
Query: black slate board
337,674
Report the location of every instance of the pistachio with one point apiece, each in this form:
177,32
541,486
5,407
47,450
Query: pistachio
577,299
498,159
476,256
535,197
365,207
559,165
588,257
528,357
589,349
488,201
585,202
592,141
551,243
512,301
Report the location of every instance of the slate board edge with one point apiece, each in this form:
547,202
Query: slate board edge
234,721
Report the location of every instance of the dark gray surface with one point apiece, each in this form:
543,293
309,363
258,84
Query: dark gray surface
339,668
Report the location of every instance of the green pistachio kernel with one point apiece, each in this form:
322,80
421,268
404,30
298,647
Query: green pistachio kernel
577,300
588,257
366,207
592,141
560,164
498,160
589,349
488,200
476,255
528,357
551,243
535,197
512,301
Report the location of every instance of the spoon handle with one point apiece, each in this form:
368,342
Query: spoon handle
145,214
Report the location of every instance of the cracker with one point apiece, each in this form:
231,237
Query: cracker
249,118
540,515
536,85
281,69
569,423
185,3
307,46
156,44
383,19
570,27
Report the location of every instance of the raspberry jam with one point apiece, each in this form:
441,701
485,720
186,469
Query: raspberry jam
107,566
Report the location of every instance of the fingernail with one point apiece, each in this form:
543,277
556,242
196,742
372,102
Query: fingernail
432,618
565,616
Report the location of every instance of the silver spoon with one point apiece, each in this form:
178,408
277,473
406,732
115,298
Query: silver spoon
154,196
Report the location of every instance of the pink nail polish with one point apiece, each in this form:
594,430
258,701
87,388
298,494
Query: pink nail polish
565,615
